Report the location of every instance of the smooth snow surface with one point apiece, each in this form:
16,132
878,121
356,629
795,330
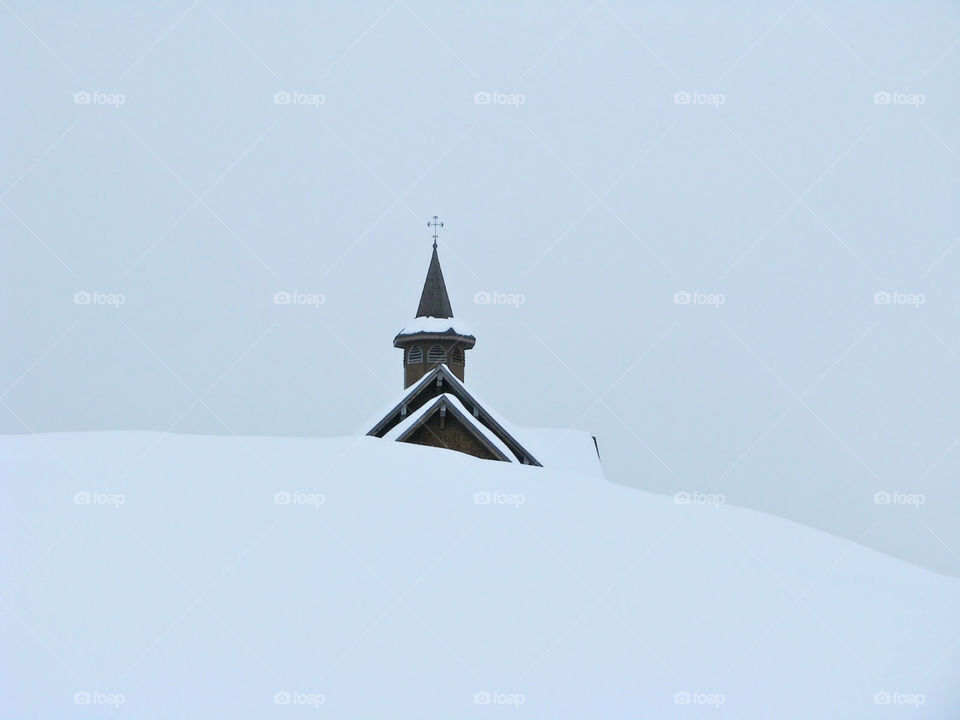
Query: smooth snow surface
396,581
568,451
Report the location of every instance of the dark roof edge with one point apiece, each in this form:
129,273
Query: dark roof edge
501,432
470,340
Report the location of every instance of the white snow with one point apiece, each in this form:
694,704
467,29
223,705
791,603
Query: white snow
567,451
435,325
390,580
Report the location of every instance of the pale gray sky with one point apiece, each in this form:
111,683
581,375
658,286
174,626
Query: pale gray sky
785,186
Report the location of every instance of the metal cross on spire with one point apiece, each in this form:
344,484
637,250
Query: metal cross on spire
436,225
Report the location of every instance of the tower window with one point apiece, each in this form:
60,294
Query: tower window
456,356
414,355
436,354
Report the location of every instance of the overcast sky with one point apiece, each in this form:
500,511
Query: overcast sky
591,159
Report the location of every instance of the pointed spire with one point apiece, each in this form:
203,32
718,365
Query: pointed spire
434,301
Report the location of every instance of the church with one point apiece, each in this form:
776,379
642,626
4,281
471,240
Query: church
436,407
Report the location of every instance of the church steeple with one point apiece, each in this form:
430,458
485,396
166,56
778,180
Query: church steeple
434,301
434,338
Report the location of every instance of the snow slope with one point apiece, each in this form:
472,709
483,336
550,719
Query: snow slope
361,578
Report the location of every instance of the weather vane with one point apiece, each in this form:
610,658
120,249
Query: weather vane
436,225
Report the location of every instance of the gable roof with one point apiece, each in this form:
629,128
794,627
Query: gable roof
434,301
419,394
455,409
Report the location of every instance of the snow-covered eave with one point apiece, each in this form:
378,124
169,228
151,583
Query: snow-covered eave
432,326
406,428
375,424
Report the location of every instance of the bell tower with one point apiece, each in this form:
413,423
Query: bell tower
434,337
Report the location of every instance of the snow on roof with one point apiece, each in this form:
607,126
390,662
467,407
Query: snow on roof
394,404
566,450
494,415
434,325
400,429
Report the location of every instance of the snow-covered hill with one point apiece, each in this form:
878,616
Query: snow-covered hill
155,576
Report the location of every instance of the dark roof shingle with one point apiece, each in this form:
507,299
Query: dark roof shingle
434,301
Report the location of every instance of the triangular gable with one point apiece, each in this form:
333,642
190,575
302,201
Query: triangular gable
438,381
455,411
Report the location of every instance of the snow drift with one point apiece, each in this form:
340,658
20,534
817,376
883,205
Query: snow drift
149,575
